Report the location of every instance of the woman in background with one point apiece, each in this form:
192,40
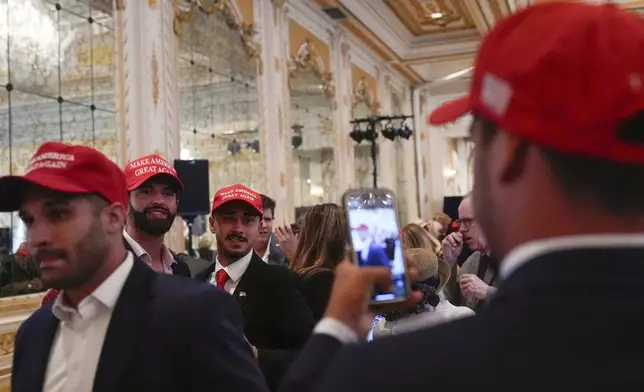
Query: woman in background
323,238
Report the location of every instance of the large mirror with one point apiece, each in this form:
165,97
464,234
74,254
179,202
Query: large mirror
217,70
457,167
364,105
311,89
56,84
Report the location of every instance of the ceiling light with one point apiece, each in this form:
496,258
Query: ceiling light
436,15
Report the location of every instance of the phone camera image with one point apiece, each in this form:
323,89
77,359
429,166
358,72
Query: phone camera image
375,235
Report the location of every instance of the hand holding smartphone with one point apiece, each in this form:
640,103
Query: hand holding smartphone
375,239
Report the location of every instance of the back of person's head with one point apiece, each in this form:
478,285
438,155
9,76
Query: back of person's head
323,238
414,236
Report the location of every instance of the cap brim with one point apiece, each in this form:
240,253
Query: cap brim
12,189
450,111
177,182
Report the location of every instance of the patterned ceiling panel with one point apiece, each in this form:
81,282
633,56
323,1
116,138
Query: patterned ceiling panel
425,17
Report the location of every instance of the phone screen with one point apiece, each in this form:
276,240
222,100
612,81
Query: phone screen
375,238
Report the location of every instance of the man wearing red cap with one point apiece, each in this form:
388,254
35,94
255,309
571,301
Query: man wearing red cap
117,325
277,320
154,188
557,100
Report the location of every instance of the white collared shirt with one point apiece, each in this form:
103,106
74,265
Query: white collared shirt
268,249
530,250
513,261
235,272
76,348
166,256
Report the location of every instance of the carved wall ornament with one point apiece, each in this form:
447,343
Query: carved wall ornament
186,11
155,79
307,57
152,3
362,94
120,5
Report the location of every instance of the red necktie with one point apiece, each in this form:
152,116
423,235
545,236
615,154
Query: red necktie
221,277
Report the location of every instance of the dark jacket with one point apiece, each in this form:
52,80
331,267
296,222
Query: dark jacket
276,317
166,334
317,290
565,321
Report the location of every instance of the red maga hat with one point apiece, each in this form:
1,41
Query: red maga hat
562,75
140,170
66,168
238,192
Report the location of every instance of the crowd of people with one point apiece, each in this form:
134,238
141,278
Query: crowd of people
535,286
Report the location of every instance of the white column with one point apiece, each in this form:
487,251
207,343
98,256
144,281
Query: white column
386,148
146,79
343,153
409,151
274,103
427,157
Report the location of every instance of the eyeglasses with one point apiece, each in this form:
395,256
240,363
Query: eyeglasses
465,223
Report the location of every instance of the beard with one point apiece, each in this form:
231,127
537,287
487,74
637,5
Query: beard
234,253
152,227
88,257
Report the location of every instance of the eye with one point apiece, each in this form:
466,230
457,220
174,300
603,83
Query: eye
145,190
56,214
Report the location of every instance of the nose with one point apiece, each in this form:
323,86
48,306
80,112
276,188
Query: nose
39,235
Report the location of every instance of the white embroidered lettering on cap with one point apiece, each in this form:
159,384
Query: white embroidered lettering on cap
496,94
49,160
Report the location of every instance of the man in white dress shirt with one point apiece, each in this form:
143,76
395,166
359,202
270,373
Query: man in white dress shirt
117,325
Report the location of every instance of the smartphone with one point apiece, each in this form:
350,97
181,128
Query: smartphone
375,239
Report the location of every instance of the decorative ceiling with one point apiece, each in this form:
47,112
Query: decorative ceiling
422,17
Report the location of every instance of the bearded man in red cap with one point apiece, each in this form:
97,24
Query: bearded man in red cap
117,325
277,320
154,189
557,99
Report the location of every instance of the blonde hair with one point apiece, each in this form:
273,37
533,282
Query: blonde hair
323,239
414,236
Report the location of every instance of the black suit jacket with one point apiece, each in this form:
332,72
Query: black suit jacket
166,334
276,317
566,321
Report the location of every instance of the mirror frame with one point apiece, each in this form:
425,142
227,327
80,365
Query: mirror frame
308,58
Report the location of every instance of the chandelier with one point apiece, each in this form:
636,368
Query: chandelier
33,39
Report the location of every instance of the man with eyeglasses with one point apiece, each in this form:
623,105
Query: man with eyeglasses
476,279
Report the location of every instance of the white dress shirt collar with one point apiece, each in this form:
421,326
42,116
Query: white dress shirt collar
106,294
237,269
166,256
268,249
530,250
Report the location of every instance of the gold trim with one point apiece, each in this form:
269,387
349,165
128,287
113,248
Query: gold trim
308,58
120,5
152,4
362,94
186,11
6,343
155,79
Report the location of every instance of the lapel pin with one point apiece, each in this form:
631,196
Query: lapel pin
242,293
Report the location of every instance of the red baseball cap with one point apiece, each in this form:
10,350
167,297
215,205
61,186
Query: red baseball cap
238,192
66,168
562,75
140,170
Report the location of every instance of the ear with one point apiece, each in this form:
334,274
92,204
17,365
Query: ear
211,222
514,154
114,217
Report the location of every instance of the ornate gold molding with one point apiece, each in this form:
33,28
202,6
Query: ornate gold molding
155,79
186,11
308,58
120,5
362,94
152,3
